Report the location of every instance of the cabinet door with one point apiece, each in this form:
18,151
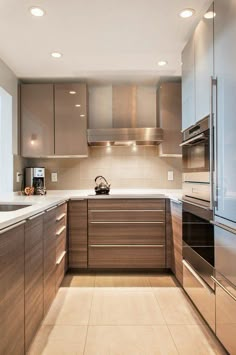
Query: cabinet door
33,277
188,85
37,120
203,44
176,222
71,119
12,291
225,59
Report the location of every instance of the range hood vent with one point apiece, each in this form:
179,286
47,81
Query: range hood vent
132,109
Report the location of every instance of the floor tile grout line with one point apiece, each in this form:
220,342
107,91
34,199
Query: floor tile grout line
86,337
173,339
162,313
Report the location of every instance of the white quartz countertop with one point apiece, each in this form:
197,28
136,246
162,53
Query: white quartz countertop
41,203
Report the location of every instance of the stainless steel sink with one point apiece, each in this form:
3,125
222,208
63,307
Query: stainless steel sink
10,208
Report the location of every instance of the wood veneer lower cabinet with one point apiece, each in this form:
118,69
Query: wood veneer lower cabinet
176,247
12,290
126,233
33,277
78,234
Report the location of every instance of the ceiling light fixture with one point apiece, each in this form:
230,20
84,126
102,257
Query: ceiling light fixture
162,63
187,13
56,55
210,15
37,11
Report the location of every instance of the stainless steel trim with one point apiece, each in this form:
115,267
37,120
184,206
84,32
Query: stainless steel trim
60,231
111,211
192,139
126,245
196,205
177,202
194,273
223,288
216,150
59,260
50,209
2,231
223,226
124,222
61,217
211,142
36,216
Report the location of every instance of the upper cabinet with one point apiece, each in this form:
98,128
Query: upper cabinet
37,120
71,119
53,120
188,85
197,70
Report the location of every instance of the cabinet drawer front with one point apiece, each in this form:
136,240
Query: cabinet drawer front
177,265
126,257
61,244
60,271
126,204
202,296
49,290
61,210
126,233
127,215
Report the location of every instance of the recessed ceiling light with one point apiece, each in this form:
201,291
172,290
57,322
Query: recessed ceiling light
162,63
209,15
72,92
187,13
37,11
82,115
56,55
77,105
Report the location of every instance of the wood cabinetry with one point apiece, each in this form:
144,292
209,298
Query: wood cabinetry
37,120
176,245
78,234
61,243
12,290
126,233
33,276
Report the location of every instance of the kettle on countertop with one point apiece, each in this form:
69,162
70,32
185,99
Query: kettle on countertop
102,187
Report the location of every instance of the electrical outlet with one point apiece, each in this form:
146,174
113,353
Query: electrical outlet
170,175
53,177
18,175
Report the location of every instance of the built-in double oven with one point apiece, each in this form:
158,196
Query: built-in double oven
198,232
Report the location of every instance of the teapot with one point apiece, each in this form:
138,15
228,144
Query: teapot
102,187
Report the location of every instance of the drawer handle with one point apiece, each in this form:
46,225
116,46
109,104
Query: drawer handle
60,231
59,260
112,211
52,208
223,288
128,222
62,203
36,216
193,272
2,231
126,246
60,217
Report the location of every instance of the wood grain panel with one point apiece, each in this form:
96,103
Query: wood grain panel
126,257
12,291
61,244
127,233
126,215
33,277
60,272
78,234
126,204
176,222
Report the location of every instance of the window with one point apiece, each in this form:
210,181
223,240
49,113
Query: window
6,156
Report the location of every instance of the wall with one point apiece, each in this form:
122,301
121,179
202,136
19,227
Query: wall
19,164
123,168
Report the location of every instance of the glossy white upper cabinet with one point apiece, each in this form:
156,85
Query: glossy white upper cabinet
225,71
203,42
188,85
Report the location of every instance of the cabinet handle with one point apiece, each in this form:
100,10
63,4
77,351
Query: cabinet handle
202,135
193,272
2,231
223,288
112,211
196,205
60,231
59,260
60,217
52,208
124,222
212,158
126,246
61,203
223,226
36,216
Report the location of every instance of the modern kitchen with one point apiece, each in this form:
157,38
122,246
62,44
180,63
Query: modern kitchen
117,177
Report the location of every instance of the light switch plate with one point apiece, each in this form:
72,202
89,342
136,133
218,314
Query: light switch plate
53,177
170,175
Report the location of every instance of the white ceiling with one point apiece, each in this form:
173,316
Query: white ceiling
103,39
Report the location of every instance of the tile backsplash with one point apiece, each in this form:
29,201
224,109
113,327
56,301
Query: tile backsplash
122,167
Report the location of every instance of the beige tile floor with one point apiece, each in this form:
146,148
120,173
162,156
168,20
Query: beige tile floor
135,314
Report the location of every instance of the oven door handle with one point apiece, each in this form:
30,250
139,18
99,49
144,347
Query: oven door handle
199,279
223,226
202,135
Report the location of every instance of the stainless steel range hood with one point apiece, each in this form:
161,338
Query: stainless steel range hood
131,108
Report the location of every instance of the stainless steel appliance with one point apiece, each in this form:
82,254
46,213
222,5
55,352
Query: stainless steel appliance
35,177
197,165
